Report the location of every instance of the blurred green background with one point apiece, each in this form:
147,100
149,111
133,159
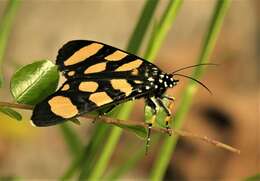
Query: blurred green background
230,115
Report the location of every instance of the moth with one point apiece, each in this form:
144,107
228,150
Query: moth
98,76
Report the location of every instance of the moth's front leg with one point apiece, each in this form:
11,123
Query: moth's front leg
151,102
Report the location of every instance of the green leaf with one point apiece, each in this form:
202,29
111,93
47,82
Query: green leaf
33,82
75,121
11,113
139,131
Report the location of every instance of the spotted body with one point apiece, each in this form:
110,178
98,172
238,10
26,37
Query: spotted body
98,76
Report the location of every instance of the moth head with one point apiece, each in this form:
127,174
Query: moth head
170,80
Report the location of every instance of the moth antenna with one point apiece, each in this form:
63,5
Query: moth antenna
191,66
195,81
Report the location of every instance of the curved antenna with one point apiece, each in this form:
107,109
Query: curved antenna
195,81
191,66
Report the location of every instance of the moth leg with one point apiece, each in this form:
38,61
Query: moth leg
103,113
167,110
151,103
171,98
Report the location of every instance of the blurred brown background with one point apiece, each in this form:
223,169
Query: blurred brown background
231,115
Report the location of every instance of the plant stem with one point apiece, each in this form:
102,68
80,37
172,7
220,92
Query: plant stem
14,105
169,144
114,121
5,29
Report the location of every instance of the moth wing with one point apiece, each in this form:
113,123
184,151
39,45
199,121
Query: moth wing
79,96
83,58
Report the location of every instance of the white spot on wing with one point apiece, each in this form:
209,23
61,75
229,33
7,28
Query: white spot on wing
151,79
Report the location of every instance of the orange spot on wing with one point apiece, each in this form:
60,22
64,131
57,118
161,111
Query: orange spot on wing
122,85
63,107
83,54
65,87
100,98
116,56
130,66
88,86
96,68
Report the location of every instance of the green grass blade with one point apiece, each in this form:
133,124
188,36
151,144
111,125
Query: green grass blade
127,165
72,140
105,156
5,29
84,159
132,161
168,146
110,145
162,28
158,38
142,24
94,150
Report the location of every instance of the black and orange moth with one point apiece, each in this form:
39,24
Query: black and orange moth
99,76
